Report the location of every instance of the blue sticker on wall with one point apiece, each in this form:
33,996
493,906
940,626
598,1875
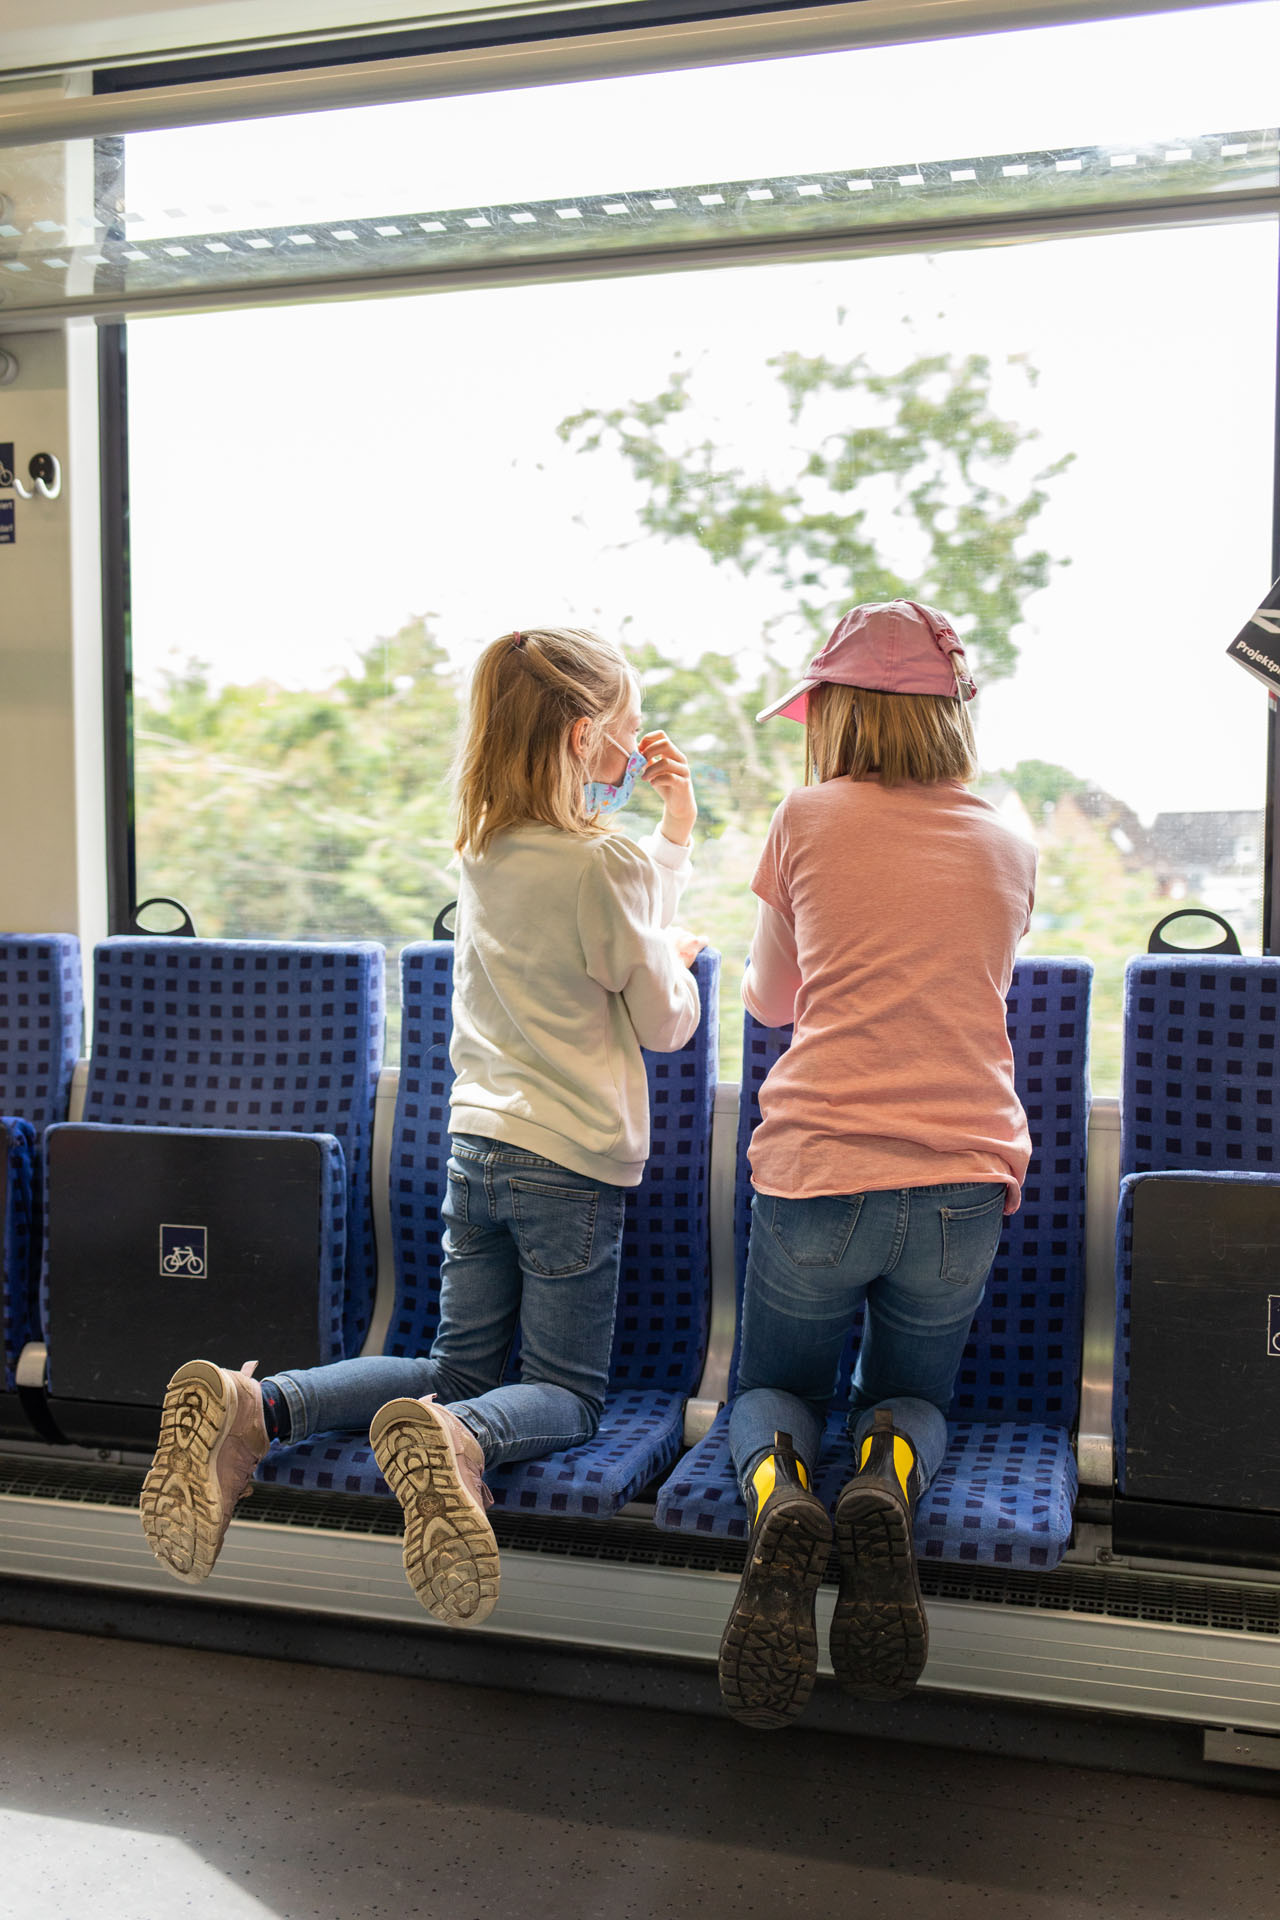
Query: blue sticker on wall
8,532
6,463
1273,1325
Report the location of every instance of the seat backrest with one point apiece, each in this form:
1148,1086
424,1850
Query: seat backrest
1201,1073
41,1024
1023,1358
660,1332
258,1036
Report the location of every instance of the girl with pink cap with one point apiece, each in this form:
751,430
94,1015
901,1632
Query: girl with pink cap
891,1144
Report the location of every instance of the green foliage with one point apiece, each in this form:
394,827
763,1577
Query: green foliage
1039,784
1090,901
928,429
303,815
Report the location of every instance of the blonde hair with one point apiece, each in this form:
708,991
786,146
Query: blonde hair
515,762
858,731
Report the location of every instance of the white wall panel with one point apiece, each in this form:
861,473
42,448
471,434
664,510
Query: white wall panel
51,779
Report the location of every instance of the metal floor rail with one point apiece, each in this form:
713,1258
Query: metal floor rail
1169,1647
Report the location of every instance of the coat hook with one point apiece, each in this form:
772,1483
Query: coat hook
47,474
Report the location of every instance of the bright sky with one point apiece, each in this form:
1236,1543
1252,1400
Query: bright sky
335,469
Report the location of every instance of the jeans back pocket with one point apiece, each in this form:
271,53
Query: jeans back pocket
812,1233
970,1236
456,1212
555,1226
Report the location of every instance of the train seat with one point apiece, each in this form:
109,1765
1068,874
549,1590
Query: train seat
231,1084
1006,1489
660,1329
41,1020
1197,1355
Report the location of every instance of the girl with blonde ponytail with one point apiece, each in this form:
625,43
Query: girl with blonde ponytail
566,964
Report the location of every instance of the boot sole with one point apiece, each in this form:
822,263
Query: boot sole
181,1503
450,1554
769,1650
879,1631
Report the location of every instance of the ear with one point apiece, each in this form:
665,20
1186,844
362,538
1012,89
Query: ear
578,737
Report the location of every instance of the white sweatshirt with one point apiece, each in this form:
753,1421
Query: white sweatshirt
561,973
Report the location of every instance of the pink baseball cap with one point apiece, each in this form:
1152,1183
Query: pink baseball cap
894,646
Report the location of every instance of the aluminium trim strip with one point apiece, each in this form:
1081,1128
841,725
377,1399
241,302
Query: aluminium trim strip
1159,1672
1095,1446
383,1129
838,243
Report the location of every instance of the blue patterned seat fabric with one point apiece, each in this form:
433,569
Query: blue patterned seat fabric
1199,1092
1006,1489
660,1331
257,1037
41,1024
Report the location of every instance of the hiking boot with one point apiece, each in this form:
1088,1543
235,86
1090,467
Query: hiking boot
212,1437
879,1633
769,1650
435,1467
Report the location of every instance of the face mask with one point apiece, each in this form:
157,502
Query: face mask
604,796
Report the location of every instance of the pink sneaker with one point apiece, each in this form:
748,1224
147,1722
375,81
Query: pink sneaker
212,1436
435,1465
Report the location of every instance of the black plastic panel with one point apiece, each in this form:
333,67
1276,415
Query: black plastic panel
1213,1536
127,1305
1204,1385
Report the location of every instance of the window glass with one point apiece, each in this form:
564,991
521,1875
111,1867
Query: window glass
333,507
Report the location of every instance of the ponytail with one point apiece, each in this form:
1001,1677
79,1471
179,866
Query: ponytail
515,763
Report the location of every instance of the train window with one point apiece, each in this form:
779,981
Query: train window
332,505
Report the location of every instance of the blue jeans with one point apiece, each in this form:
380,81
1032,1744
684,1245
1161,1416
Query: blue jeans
918,1256
526,1242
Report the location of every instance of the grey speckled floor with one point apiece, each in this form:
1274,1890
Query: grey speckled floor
140,1781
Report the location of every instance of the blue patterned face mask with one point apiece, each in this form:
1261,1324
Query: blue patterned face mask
606,796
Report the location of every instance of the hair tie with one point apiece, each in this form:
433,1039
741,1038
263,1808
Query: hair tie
517,639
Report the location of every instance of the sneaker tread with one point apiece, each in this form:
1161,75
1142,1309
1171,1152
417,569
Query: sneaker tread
181,1503
450,1554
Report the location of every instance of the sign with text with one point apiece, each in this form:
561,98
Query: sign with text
1257,645
8,531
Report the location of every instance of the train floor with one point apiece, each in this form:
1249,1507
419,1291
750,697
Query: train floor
140,1781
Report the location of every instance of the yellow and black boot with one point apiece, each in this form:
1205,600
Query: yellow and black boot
769,1651
879,1633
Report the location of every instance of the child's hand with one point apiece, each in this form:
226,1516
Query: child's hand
667,772
687,946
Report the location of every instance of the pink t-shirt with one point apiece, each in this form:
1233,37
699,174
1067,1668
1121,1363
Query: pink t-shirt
906,905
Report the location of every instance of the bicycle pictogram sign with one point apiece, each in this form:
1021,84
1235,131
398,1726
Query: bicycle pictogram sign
184,1252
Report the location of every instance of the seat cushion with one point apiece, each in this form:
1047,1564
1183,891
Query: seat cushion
1003,1495
638,1438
